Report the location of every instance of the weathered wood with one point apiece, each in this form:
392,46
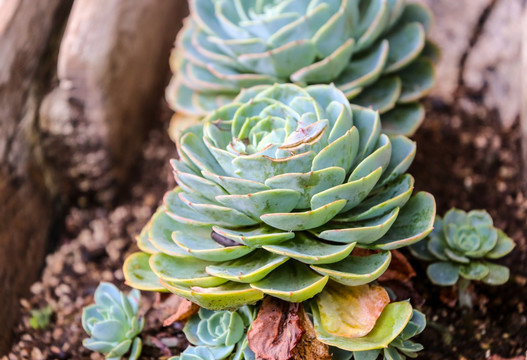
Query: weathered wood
493,65
453,29
112,68
523,78
481,48
26,209
82,136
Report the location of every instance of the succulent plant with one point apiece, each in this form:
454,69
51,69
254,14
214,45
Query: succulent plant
375,51
399,349
218,335
461,245
113,323
275,191
40,318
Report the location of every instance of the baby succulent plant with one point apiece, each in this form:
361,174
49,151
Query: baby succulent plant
462,245
217,335
113,323
399,349
275,191
375,51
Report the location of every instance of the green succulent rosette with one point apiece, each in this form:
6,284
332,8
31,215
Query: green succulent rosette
113,323
275,191
462,244
217,335
375,51
400,348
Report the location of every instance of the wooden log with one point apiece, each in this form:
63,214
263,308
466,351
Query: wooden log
82,136
27,30
481,48
493,65
112,68
453,29
523,119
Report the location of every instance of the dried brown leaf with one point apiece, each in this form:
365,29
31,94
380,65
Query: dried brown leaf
448,296
276,330
399,269
364,252
309,347
181,308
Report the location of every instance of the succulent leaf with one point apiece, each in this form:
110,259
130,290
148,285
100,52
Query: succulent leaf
400,348
356,270
391,322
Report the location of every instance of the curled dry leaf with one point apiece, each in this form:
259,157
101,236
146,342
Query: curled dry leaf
309,347
276,331
364,252
399,269
397,277
448,296
351,311
182,309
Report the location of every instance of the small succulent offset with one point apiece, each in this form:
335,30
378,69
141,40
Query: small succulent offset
40,318
217,335
113,323
275,191
460,247
375,51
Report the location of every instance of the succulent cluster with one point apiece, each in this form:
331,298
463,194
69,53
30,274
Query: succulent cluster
462,244
284,180
113,323
275,191
217,335
375,51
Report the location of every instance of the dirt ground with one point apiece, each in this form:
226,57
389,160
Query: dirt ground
464,158
467,160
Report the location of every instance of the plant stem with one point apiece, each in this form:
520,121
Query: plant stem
464,296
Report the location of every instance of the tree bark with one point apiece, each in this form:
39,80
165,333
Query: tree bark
523,119
481,48
75,103
112,68
27,29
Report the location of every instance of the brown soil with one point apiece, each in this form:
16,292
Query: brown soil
464,158
467,160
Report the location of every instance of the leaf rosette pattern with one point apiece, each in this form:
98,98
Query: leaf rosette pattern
275,191
217,335
375,51
113,322
463,244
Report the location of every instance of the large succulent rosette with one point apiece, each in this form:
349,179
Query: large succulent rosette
375,51
275,191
